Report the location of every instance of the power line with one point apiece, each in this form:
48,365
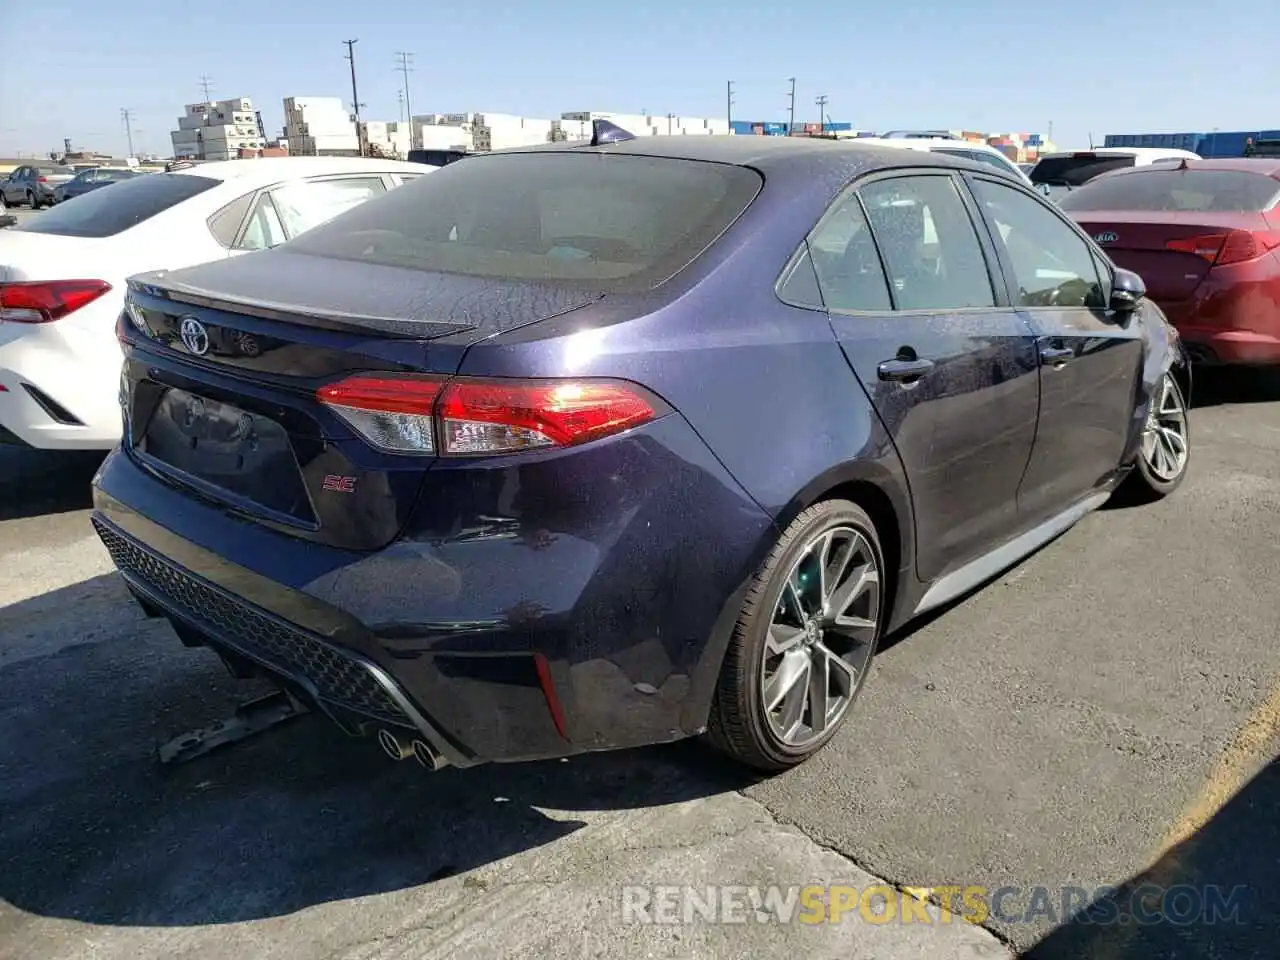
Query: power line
126,116
821,101
791,111
405,66
206,84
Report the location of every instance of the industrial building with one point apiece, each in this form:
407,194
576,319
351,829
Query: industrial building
218,130
1215,143
320,127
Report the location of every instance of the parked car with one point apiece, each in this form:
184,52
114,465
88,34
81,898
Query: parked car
33,185
950,146
1205,236
62,274
589,446
1060,173
92,179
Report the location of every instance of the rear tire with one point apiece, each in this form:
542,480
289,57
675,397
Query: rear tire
1165,451
803,644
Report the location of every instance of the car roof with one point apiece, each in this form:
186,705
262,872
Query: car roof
762,153
265,170
930,143
1264,166
1138,152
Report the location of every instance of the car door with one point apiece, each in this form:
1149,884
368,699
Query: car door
15,188
949,365
1090,362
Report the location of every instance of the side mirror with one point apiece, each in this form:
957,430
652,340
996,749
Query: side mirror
1127,291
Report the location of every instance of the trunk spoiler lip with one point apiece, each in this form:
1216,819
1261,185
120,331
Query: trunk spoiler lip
162,287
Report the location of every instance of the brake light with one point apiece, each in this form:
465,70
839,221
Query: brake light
42,179
407,414
1234,246
46,301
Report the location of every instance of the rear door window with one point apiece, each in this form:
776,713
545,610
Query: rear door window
105,213
981,156
305,204
930,247
611,221
264,229
846,261
1171,189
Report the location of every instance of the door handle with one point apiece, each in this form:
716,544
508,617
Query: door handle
901,369
1057,357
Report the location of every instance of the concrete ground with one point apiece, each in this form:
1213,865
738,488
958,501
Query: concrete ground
1103,714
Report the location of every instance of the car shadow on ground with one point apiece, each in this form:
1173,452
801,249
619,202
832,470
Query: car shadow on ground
1212,896
95,830
38,482
1218,386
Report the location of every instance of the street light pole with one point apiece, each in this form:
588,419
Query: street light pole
728,104
791,112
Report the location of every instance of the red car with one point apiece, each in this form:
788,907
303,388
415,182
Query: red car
1204,235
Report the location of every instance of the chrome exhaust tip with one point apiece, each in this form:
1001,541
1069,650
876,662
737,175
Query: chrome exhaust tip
395,746
427,755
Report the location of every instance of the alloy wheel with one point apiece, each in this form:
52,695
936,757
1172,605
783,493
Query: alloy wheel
821,636
1164,438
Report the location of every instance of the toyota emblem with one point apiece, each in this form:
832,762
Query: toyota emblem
194,336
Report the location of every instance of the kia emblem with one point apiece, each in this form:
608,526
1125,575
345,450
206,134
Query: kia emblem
194,336
1106,236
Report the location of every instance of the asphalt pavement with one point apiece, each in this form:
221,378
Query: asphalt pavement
1103,715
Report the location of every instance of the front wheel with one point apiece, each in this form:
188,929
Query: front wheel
1165,450
804,641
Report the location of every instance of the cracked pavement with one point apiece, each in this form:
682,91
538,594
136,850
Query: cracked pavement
1048,730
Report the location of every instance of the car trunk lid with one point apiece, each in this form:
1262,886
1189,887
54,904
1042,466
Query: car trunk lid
221,393
1172,252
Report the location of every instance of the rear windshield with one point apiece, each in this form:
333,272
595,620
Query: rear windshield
55,171
104,213
1075,171
614,222
1153,188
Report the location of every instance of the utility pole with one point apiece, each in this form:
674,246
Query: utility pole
728,104
1050,134
206,84
405,66
821,101
355,97
126,116
670,117
791,111
400,98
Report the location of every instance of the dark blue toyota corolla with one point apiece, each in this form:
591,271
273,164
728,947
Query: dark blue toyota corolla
591,446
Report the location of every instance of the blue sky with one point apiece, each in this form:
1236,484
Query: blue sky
1089,66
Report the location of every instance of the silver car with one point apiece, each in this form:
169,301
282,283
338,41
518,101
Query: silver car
33,185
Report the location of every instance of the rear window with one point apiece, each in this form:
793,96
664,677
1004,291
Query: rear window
615,222
55,171
104,213
1153,188
1076,171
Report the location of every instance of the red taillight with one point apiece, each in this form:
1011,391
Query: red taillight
1233,246
484,417
42,179
46,301
496,416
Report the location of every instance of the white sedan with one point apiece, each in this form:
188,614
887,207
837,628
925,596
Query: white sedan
63,272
